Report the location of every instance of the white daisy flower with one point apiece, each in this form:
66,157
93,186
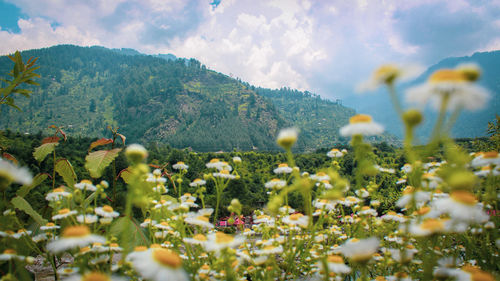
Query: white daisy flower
269,250
336,265
334,153
237,159
10,254
361,124
197,182
452,84
64,213
283,169
393,216
11,173
49,226
74,237
198,219
224,174
106,211
360,250
219,165
91,276
287,137
387,74
367,211
197,239
461,206
158,264
219,240
275,184
57,194
486,159
147,222
320,176
86,185
180,166
296,219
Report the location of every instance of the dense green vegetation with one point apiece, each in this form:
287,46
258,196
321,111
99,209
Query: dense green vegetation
172,101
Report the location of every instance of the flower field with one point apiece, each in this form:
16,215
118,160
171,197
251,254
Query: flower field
444,225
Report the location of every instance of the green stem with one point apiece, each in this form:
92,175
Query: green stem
436,132
54,170
395,99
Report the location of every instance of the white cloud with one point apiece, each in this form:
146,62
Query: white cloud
310,45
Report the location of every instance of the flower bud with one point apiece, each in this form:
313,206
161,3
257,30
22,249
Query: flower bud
136,153
412,117
287,138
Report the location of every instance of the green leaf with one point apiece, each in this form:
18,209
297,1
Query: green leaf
43,150
37,180
131,227
89,199
125,174
97,161
65,170
23,205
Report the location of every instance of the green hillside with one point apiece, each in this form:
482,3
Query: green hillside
173,101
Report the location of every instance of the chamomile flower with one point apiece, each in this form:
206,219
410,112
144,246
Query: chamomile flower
283,169
147,222
198,219
269,250
275,184
335,153
106,211
224,174
64,213
320,176
219,165
451,85
88,218
197,182
49,226
486,159
336,265
12,173
219,240
10,254
74,237
361,124
86,185
197,239
461,206
297,219
387,74
94,276
360,250
57,194
180,166
287,137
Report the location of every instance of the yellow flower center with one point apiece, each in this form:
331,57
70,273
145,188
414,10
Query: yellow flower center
9,252
295,217
335,259
408,190
50,224
391,213
222,238
180,163
275,180
490,154
354,240
205,267
96,244
63,211
114,245
269,247
167,258
464,197
386,73
283,165
365,208
202,218
84,249
360,118
197,180
215,160
200,237
224,172
432,224
107,209
86,182
95,276
164,223
140,249
76,231
335,150
447,75
424,210
59,189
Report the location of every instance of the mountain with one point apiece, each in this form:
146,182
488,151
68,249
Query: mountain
469,124
164,99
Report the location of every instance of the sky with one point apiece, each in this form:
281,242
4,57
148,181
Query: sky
326,47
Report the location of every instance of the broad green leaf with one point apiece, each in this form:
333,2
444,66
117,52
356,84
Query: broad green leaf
125,175
37,180
97,161
100,142
43,150
23,205
130,227
65,170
